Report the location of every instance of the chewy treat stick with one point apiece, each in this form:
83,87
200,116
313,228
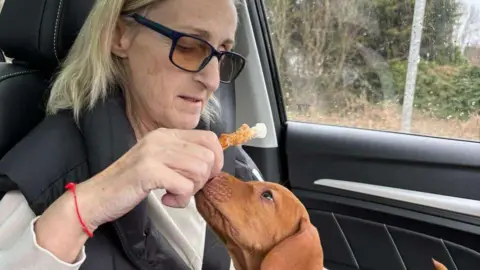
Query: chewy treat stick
243,135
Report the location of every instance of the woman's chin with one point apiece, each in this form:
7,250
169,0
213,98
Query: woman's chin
187,122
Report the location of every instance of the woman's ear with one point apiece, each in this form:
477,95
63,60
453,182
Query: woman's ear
303,250
121,39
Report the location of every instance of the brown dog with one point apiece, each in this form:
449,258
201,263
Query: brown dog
263,225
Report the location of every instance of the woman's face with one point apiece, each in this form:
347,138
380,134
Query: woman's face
159,93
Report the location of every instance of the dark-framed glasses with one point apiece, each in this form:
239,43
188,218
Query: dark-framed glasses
192,54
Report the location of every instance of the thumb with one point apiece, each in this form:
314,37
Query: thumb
175,201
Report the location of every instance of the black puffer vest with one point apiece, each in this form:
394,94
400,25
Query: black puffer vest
58,151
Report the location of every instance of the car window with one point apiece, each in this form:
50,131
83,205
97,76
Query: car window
405,65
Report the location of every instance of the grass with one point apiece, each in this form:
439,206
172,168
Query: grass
389,118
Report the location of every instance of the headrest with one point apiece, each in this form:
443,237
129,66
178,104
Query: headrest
40,32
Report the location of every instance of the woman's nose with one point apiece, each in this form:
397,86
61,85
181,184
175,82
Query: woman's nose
209,76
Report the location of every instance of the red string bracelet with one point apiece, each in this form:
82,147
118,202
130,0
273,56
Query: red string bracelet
71,187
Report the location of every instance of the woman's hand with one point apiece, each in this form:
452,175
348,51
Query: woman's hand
179,161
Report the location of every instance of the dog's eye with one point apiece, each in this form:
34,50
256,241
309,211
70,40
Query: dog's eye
267,195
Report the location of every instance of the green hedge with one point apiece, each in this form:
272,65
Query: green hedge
445,91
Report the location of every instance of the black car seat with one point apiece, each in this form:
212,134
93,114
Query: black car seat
37,35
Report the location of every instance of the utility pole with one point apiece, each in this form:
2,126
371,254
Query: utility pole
413,60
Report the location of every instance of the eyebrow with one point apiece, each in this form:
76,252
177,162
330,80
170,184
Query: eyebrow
194,31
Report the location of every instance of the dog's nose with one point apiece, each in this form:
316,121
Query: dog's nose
218,189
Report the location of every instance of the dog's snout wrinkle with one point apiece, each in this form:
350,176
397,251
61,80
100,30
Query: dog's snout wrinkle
218,190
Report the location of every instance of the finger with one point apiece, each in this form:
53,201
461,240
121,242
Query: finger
200,152
207,139
178,189
175,183
193,167
176,201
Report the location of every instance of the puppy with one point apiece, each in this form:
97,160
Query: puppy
263,225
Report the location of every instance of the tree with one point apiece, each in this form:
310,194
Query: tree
332,49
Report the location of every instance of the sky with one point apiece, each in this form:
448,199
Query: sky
474,37
473,2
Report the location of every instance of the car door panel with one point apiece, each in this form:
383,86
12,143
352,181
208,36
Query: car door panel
458,205
434,165
389,247
379,198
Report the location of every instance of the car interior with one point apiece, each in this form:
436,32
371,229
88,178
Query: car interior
380,200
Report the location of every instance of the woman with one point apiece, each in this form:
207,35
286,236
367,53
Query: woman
137,82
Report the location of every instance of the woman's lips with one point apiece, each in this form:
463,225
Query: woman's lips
191,99
192,104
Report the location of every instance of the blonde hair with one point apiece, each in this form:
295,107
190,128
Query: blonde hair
90,71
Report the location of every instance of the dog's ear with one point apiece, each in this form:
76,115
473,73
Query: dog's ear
302,250
438,266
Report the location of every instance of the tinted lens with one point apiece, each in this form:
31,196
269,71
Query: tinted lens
190,53
230,66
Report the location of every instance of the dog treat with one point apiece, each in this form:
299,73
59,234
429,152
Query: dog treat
243,135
